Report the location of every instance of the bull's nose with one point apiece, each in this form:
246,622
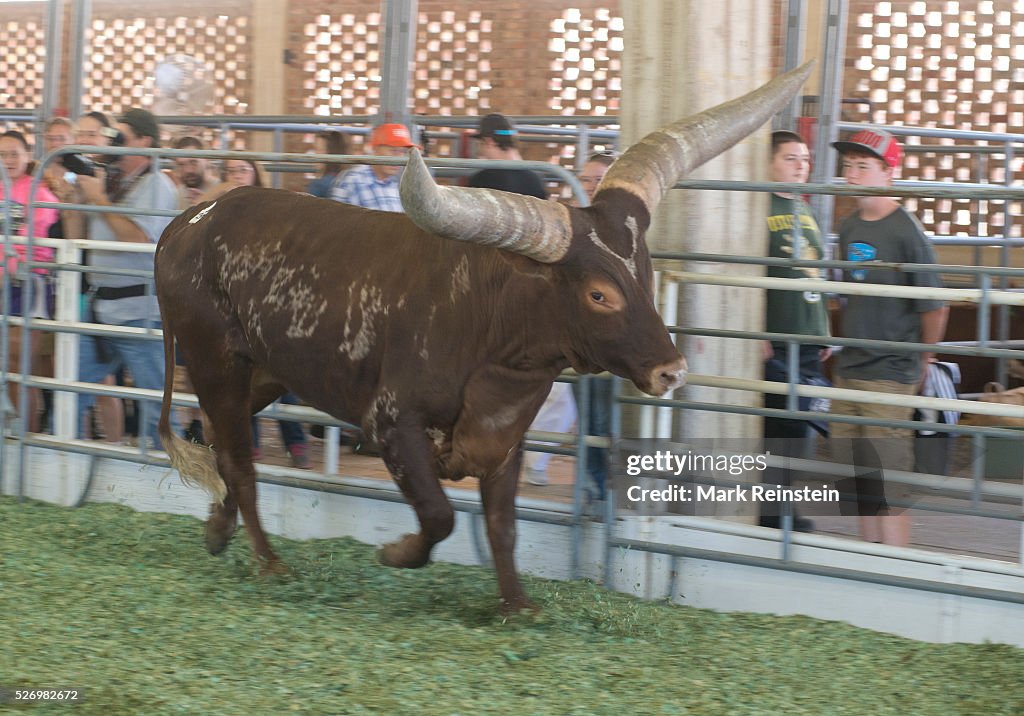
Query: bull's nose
668,376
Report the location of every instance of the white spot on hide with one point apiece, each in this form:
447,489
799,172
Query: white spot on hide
285,288
382,414
255,325
356,343
460,279
420,339
436,436
504,417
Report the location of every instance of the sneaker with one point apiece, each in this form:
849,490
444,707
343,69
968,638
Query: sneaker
300,459
194,432
536,477
803,524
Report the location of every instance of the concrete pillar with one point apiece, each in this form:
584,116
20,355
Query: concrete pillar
683,56
269,23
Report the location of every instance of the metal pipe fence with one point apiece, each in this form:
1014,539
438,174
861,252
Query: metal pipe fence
69,324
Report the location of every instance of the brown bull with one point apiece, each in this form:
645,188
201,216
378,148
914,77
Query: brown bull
439,331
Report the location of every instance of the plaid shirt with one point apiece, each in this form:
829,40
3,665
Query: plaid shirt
360,186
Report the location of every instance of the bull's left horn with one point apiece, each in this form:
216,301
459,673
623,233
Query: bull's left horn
524,224
653,165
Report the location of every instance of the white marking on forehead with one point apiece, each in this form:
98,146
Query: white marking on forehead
629,263
201,214
634,230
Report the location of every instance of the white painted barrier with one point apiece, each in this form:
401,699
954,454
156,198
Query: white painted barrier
544,549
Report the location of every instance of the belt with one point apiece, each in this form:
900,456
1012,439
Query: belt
111,293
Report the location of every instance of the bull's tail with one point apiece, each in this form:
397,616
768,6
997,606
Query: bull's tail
196,463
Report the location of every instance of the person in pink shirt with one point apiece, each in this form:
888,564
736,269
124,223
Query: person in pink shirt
16,156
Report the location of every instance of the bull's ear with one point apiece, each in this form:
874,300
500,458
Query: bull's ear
528,266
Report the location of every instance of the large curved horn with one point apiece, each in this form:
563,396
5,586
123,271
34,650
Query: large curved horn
653,165
524,224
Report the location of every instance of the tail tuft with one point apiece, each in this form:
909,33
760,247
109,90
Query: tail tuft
197,466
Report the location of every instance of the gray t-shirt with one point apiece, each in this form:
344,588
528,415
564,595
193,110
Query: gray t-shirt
896,238
153,191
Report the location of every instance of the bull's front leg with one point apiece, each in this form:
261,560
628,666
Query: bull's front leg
409,456
498,494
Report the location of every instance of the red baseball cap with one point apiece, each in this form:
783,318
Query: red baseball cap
391,135
876,142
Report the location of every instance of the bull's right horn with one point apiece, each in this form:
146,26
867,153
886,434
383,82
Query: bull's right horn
524,224
653,165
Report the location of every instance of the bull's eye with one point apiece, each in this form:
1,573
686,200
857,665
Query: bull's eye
604,297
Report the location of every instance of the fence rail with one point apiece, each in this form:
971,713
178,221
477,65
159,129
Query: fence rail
68,324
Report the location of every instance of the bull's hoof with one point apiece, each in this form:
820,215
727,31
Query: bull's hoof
274,568
218,534
407,553
521,605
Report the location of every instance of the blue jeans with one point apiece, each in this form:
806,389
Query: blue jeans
144,359
291,431
598,422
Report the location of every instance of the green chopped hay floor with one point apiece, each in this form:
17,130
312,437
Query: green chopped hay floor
129,607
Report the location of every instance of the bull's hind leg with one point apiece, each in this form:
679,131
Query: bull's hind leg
225,394
408,454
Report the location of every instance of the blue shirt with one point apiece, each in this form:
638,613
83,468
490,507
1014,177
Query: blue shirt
321,186
360,186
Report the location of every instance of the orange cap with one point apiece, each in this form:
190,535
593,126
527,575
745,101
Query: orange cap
391,135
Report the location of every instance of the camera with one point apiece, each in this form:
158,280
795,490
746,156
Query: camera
79,164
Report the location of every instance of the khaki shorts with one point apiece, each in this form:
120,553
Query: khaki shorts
875,448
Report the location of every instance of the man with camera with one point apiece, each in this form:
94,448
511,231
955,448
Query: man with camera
132,182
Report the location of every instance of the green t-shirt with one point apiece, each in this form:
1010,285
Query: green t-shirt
800,312
896,238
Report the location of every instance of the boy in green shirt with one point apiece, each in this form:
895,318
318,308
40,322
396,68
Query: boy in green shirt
793,233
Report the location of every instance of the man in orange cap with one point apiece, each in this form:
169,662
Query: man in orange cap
376,186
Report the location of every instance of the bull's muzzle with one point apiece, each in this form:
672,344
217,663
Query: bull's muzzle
666,377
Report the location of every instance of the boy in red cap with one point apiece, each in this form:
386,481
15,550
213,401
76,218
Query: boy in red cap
882,231
376,186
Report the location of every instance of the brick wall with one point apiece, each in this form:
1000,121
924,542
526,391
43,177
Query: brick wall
955,65
951,64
